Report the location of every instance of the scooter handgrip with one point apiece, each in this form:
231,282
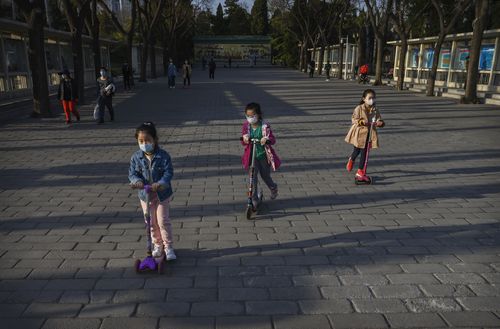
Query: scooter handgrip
148,188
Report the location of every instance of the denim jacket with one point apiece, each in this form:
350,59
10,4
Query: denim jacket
162,172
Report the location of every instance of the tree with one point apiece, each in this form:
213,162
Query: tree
76,14
259,18
379,19
237,18
283,40
149,15
445,26
129,32
403,23
92,23
220,24
203,23
306,30
342,21
34,14
177,22
478,27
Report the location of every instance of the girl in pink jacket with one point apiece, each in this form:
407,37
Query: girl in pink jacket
266,158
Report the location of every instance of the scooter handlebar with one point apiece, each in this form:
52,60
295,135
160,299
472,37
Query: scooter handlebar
147,187
255,140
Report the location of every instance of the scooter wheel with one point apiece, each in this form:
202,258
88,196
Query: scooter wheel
136,265
161,266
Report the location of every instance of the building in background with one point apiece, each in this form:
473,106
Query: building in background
244,50
452,65
15,75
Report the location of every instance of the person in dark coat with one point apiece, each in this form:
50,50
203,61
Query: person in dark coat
105,91
211,69
68,95
126,71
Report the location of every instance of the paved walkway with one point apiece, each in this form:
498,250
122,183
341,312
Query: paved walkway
420,248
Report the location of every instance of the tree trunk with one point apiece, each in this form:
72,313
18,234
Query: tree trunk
402,63
379,61
321,59
129,56
165,59
478,26
173,49
301,58
96,43
431,81
340,69
36,58
361,58
144,61
79,72
152,57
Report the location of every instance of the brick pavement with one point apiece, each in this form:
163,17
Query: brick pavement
420,248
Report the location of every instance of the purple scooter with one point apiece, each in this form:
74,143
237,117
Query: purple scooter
150,263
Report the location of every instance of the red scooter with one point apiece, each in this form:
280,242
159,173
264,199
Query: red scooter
365,179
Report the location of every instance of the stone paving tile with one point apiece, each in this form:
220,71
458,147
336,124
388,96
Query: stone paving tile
412,320
417,248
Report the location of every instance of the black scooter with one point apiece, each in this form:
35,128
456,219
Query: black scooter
252,203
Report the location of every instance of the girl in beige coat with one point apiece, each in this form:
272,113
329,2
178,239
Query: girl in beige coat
358,134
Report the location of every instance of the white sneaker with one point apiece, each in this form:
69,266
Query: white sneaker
157,250
169,252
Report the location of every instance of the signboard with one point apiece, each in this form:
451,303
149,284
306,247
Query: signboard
486,57
445,59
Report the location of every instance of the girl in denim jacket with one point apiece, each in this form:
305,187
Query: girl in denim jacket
152,165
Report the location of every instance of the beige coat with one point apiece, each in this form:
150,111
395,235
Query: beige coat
359,132
186,70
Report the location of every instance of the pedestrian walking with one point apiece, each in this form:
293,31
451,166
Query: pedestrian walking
126,71
105,91
311,66
68,95
171,74
211,69
186,73
328,68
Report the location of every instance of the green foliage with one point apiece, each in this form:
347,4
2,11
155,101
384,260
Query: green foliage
259,18
238,20
283,42
219,22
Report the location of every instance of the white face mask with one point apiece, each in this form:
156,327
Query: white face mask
252,120
371,101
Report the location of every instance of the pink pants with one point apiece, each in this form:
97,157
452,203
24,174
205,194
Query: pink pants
161,228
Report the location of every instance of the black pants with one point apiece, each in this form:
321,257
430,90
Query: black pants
311,74
357,151
106,101
188,79
211,75
328,75
126,82
264,169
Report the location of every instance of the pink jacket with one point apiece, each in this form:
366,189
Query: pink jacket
272,157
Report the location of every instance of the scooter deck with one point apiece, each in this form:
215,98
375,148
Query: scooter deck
160,265
362,182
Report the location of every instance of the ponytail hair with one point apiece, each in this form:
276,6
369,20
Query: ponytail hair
365,93
149,128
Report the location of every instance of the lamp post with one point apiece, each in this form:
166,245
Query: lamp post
346,53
